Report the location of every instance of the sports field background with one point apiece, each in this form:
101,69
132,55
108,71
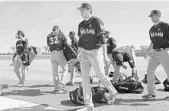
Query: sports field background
39,84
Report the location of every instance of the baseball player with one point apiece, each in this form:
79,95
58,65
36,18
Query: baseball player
159,36
74,45
21,46
119,57
55,42
93,50
115,56
111,44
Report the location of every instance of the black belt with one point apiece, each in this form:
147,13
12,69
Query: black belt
160,49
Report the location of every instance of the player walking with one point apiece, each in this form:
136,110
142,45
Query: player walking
55,42
21,46
90,45
159,36
111,44
74,45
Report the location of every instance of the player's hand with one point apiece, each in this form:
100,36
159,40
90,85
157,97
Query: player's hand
106,60
78,53
78,57
146,55
124,66
12,64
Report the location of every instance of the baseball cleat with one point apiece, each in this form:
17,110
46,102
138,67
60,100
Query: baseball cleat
148,96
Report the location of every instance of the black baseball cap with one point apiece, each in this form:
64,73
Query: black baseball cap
71,33
85,5
107,32
20,32
155,12
55,28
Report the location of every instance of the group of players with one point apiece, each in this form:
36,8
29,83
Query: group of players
95,48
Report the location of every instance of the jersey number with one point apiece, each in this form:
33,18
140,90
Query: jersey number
54,40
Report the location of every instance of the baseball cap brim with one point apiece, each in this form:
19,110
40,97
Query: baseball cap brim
152,15
79,8
149,15
70,34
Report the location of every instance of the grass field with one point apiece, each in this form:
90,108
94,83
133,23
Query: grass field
40,78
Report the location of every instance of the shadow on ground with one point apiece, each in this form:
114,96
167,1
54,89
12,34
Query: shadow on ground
43,85
69,103
41,107
138,102
162,90
119,101
26,92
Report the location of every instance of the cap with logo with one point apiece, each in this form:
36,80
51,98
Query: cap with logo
85,5
71,33
155,12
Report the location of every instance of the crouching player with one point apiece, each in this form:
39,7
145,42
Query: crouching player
119,58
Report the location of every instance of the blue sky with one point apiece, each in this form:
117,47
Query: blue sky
127,20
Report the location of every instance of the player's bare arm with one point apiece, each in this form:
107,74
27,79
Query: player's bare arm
106,59
78,52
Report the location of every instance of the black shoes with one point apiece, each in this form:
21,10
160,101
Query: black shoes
157,81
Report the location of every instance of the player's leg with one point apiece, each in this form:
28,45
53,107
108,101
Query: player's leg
131,58
107,69
118,76
85,69
132,64
24,71
133,54
152,65
96,58
135,73
77,65
17,66
64,65
164,60
72,73
55,65
108,66
117,63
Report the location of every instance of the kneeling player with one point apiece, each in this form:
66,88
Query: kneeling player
119,58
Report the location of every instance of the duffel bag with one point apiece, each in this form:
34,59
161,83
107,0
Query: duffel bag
129,86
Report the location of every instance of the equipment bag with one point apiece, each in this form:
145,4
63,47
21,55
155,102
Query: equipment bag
99,95
166,85
28,56
129,86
